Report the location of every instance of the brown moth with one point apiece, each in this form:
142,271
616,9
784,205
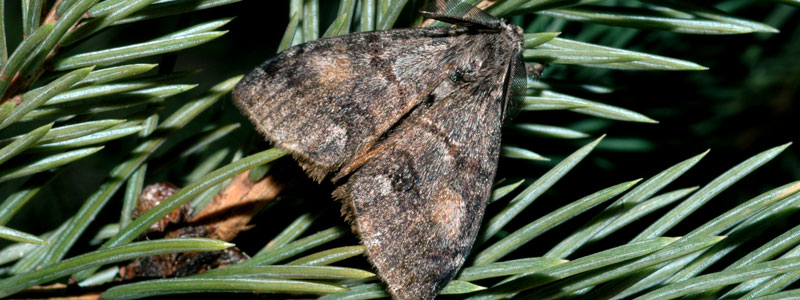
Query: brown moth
407,121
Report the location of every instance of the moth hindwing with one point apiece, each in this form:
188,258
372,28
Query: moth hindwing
408,121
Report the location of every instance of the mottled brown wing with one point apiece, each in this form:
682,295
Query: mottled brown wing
418,201
329,100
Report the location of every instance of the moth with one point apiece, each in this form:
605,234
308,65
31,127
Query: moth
407,122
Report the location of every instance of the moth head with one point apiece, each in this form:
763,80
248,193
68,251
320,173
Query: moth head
512,32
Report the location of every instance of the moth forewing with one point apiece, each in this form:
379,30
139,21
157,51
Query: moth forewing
329,100
418,198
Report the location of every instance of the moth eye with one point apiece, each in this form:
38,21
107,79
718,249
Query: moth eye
454,77
462,73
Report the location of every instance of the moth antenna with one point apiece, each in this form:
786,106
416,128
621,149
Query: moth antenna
459,13
516,85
